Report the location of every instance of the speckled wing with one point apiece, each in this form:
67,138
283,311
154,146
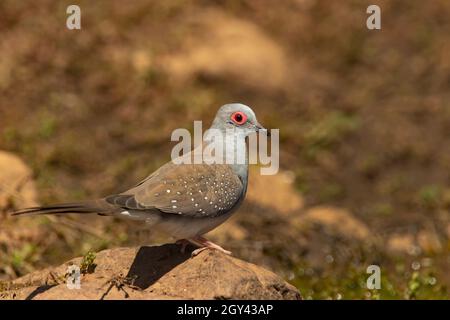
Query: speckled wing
196,190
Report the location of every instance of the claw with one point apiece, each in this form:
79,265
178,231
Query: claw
197,251
205,244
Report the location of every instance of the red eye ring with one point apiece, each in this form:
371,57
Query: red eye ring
239,118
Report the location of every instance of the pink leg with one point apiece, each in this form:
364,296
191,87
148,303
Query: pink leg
184,243
204,243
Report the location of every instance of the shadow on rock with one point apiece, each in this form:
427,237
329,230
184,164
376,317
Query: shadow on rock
151,263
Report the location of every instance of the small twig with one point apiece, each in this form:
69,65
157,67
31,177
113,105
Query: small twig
120,282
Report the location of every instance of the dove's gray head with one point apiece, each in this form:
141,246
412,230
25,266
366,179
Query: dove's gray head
237,116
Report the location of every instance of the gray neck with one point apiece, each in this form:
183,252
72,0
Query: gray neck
235,150
236,155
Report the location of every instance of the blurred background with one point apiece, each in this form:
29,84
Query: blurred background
364,119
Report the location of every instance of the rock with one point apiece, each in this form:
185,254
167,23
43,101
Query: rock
276,192
336,221
17,190
425,241
212,42
159,272
401,243
429,242
16,183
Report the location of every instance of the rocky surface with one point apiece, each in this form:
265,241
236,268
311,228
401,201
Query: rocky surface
15,182
334,221
158,272
213,52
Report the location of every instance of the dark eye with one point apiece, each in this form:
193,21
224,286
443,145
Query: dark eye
239,117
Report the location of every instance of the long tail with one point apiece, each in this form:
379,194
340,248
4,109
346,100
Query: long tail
98,206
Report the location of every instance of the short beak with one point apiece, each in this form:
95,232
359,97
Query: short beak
259,127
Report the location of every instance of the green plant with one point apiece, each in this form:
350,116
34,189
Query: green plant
429,196
87,264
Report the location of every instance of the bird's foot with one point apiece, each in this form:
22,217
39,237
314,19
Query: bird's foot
204,244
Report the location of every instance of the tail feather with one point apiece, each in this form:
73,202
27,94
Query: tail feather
75,207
